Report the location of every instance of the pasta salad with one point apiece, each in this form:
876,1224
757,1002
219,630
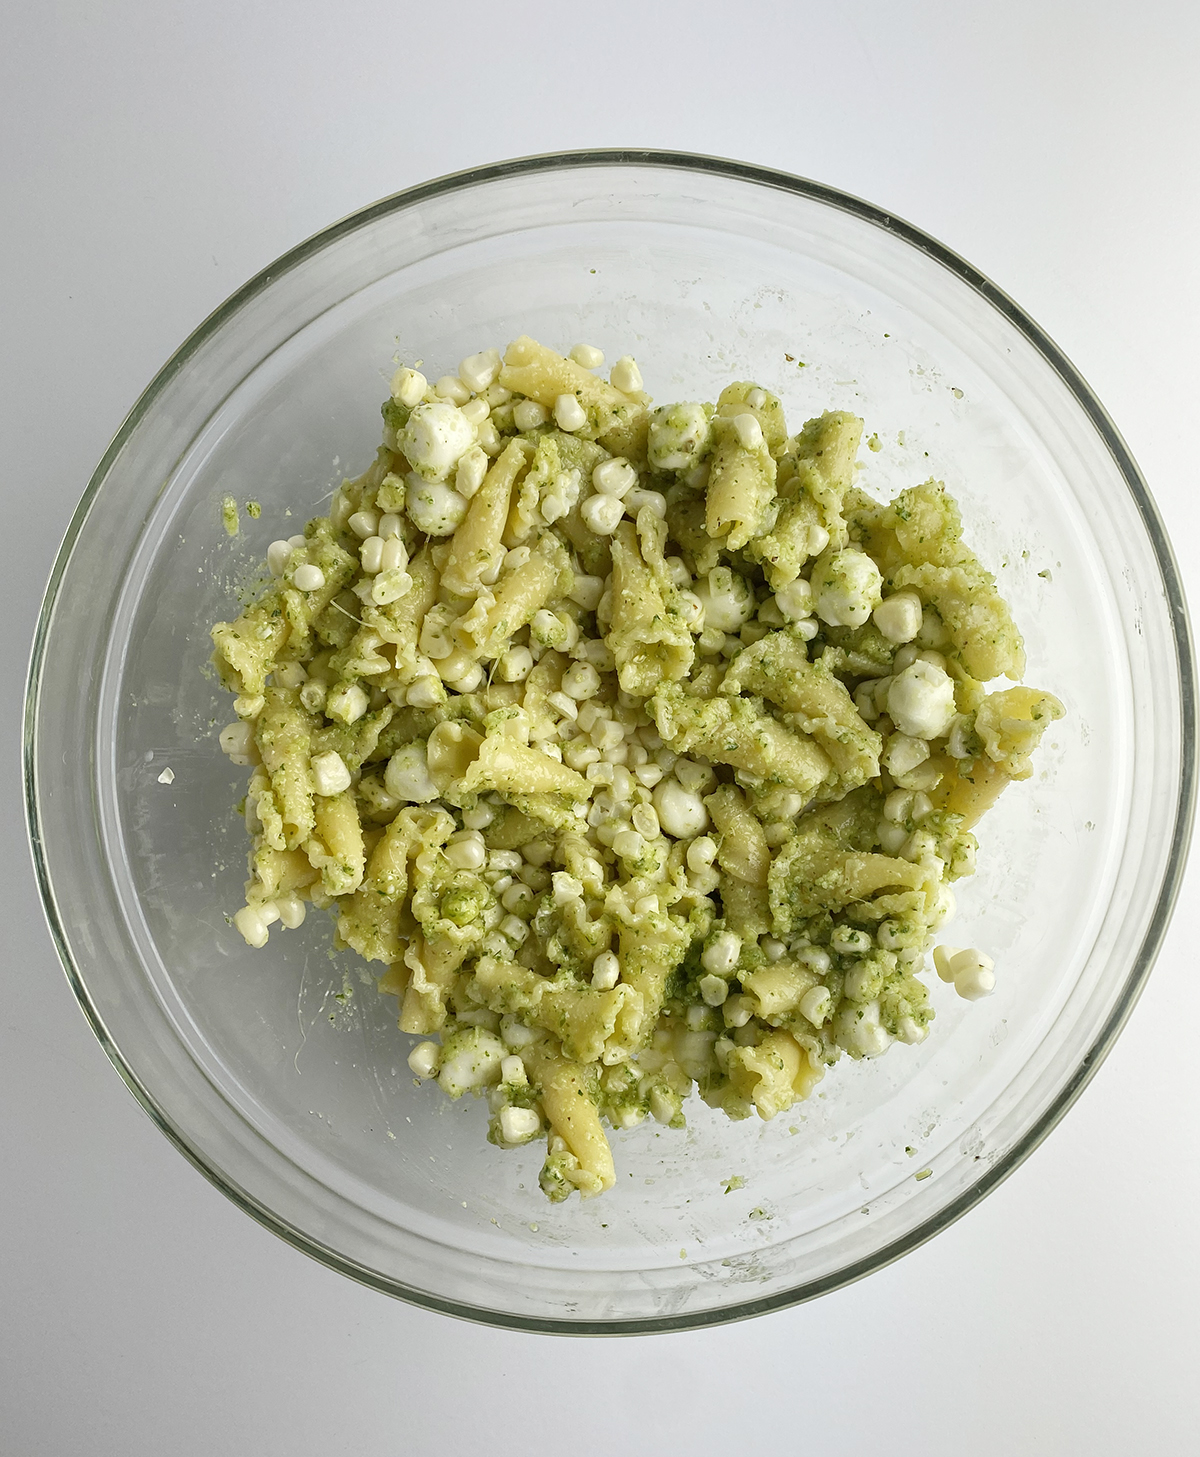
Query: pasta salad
637,748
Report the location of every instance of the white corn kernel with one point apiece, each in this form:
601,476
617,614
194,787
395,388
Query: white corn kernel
647,775
602,514
696,778
389,526
515,664
519,1125
910,1031
237,741
858,1029
569,414
466,679
749,431
721,954
943,957
815,1005
409,386
625,375
637,498
451,388
898,617
628,845
470,473
425,692
476,411
864,701
313,694
394,555
308,578
390,584
330,775
478,371
645,821
903,753
370,554
587,355
587,591
816,958
466,850
772,949
615,477
681,812
364,524
291,911
512,1070
565,887
347,703
974,976
691,609
277,557
479,816
848,941
517,897
291,675
713,990
514,928
407,776
795,601
425,1060
606,971
737,1011
701,852
252,926
529,415
581,681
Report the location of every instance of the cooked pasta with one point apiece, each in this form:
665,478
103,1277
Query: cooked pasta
636,748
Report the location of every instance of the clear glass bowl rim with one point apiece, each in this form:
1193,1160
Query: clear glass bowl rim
1175,600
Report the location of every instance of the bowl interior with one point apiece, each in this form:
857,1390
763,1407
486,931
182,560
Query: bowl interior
281,1070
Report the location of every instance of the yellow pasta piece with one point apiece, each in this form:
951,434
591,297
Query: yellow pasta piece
519,595
246,649
773,1075
648,636
533,370
573,1115
737,731
814,477
777,668
476,549
336,848
507,766
741,479
283,734
742,848
777,989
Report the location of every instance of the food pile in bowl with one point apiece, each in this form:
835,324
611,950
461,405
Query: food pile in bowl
638,747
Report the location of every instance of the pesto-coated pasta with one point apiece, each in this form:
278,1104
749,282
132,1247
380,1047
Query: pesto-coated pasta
635,749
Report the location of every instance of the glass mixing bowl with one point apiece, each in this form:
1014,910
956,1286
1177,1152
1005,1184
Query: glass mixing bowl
278,1072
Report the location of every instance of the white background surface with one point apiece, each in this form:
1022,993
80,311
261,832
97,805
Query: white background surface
155,156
